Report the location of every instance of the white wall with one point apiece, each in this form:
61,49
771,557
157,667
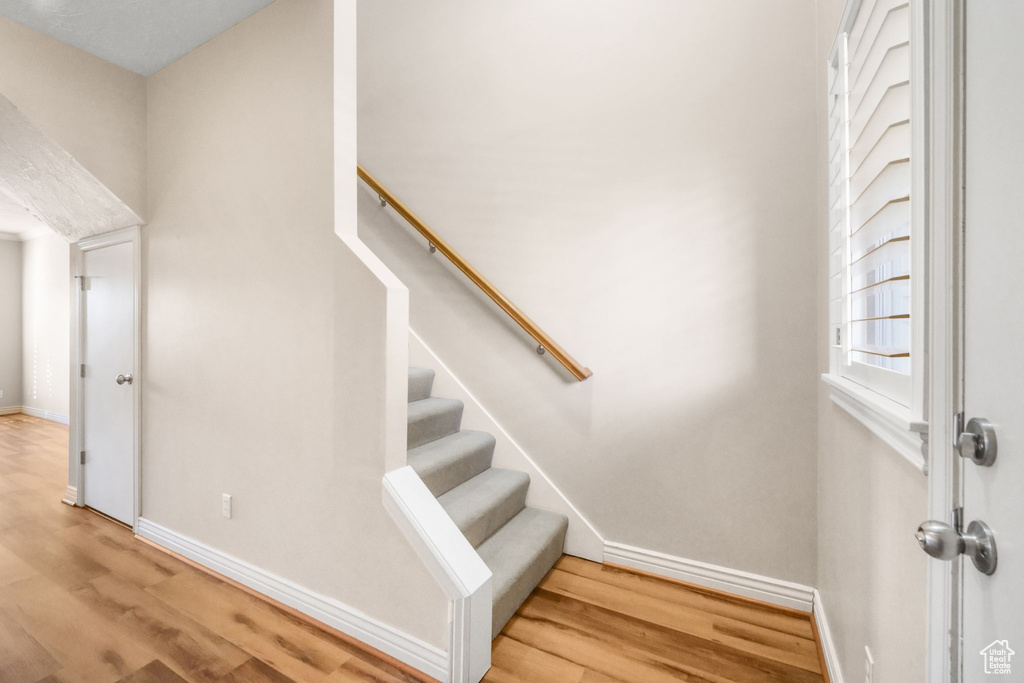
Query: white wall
46,321
257,377
871,573
92,108
10,322
638,177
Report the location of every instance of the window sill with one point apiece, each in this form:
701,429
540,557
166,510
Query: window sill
888,420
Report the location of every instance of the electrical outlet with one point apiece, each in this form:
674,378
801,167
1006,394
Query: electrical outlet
869,666
225,506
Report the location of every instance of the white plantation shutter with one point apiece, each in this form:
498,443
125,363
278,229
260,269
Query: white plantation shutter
869,183
837,198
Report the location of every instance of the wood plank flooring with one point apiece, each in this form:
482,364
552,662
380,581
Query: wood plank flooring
591,623
82,600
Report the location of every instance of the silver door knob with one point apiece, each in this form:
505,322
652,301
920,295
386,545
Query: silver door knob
124,379
978,442
939,540
943,542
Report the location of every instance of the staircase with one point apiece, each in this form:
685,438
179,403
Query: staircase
488,505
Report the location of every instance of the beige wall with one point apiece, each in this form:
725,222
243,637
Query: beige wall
637,178
10,322
96,111
871,574
92,108
252,380
46,353
646,208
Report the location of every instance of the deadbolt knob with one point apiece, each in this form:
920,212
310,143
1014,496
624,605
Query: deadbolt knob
977,443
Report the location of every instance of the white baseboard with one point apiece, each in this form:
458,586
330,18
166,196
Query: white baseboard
775,591
70,496
828,646
10,410
45,415
403,647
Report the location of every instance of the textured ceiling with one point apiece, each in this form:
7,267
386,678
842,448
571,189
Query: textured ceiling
141,35
15,217
39,174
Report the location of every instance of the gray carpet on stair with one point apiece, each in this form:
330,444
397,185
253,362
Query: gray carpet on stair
431,419
421,381
448,462
519,544
483,504
519,556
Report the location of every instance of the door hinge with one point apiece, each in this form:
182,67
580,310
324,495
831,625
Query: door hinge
81,282
81,458
81,370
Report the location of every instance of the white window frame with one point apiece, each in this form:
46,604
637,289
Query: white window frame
902,427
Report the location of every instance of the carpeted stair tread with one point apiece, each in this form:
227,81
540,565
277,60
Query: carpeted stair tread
519,555
482,505
519,544
431,419
453,460
421,382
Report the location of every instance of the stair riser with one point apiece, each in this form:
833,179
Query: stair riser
468,465
500,511
433,427
420,385
505,605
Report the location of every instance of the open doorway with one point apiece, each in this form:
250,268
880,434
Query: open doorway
34,316
73,306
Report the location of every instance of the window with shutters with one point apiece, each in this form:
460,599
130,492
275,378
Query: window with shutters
875,248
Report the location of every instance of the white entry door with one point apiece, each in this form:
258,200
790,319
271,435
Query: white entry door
993,606
108,385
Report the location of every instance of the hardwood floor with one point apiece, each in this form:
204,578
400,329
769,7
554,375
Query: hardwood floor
594,623
82,600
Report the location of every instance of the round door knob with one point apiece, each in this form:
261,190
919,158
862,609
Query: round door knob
939,540
124,379
943,542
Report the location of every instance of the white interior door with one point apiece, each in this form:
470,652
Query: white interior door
993,606
108,389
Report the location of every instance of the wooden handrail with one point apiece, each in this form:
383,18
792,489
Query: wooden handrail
545,342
